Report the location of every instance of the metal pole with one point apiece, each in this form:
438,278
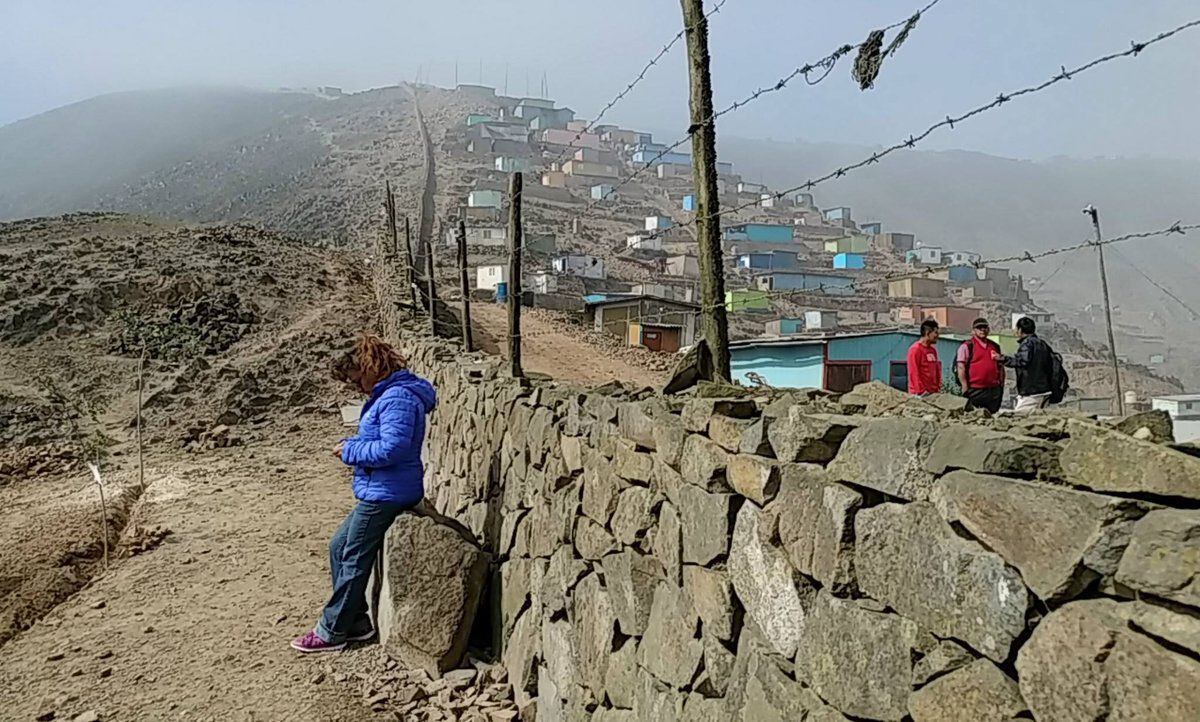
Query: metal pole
1112,344
515,240
464,286
715,323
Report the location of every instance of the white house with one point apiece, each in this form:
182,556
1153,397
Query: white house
543,282
644,242
960,258
485,199
657,223
1038,317
479,236
578,264
488,277
925,255
820,320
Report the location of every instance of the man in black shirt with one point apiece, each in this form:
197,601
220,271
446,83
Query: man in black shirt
1034,365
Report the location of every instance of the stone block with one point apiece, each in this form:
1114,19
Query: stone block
656,701
985,451
979,691
697,412
888,455
756,438
945,656
718,665
592,540
621,678
754,477
1083,662
593,622
1163,556
711,594
1155,426
774,597
572,453
1178,625
843,644
668,542
521,654
1060,539
434,574
560,668
634,514
910,559
1106,460
809,437
666,480
671,649
516,587
669,436
562,573
873,398
705,519
704,464
698,708
770,695
636,421
600,488
815,518
634,466
727,432
632,579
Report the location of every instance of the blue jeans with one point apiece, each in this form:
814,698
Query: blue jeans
351,555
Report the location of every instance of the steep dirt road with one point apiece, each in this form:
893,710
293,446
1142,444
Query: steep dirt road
198,628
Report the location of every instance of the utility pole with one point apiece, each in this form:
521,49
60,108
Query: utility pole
714,321
1112,344
412,271
515,240
464,287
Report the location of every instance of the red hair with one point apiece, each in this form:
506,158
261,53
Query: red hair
372,357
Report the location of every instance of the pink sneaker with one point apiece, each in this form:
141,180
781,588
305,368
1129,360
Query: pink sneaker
310,642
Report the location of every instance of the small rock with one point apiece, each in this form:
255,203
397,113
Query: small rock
318,678
106,673
89,716
99,605
55,656
105,654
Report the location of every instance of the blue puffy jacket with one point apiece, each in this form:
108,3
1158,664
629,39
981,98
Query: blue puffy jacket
386,453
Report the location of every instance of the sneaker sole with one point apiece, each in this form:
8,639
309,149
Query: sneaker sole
312,650
362,637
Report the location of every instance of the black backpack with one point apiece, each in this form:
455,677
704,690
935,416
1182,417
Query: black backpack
1059,381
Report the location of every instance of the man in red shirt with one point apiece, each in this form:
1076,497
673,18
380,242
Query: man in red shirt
979,374
924,368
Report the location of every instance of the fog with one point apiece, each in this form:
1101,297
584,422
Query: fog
962,53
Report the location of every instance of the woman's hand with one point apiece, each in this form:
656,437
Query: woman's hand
337,450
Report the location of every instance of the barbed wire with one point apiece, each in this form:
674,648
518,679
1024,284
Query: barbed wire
825,290
628,88
826,64
912,140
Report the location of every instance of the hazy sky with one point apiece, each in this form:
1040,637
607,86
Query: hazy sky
963,52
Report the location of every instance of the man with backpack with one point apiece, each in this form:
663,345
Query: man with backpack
1041,378
979,374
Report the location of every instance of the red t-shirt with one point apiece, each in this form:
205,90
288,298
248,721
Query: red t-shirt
982,372
924,369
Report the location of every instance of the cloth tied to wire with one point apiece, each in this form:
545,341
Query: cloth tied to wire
871,53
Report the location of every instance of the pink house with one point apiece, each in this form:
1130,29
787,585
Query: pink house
557,136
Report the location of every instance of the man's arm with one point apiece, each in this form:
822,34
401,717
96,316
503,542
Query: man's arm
963,379
1020,359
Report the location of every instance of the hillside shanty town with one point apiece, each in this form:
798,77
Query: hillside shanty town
430,400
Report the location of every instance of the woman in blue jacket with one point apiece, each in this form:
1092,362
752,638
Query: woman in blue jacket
388,479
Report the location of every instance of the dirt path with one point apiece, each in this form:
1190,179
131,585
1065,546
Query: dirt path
198,628
547,348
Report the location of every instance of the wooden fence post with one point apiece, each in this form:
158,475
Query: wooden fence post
464,287
515,241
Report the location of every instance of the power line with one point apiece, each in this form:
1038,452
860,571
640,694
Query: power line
912,140
1156,284
825,64
821,290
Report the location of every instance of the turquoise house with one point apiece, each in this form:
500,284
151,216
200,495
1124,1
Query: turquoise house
835,362
850,261
759,233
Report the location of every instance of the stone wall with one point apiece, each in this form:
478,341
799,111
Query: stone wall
873,556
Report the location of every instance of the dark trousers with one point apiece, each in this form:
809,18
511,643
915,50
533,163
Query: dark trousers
352,554
989,399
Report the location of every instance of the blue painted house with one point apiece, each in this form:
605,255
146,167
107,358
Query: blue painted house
835,362
961,274
805,281
758,232
689,202
850,261
768,261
